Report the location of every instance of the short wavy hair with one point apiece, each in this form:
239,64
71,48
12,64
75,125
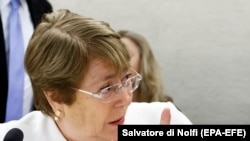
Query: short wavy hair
60,50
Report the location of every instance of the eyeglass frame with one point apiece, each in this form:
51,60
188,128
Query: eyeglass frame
116,87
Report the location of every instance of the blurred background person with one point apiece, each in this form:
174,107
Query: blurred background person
143,61
29,13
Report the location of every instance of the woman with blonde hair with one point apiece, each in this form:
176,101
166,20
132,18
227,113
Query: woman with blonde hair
143,61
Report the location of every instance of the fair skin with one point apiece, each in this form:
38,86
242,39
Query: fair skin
134,52
88,118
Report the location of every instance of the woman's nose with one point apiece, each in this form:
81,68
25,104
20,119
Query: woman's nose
124,97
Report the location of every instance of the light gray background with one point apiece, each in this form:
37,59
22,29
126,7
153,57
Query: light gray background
203,47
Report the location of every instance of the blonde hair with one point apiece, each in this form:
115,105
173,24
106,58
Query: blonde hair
151,87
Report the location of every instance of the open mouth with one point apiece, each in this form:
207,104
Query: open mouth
118,121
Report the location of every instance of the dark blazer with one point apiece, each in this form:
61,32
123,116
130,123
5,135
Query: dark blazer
36,8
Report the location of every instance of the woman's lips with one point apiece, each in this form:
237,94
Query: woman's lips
118,122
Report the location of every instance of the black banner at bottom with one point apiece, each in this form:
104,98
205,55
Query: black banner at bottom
192,132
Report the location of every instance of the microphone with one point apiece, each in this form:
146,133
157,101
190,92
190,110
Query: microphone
14,134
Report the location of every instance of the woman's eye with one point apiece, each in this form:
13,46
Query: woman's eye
105,90
127,76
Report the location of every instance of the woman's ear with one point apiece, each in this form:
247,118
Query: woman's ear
56,106
50,95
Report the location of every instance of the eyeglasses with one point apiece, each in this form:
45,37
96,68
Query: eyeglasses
107,94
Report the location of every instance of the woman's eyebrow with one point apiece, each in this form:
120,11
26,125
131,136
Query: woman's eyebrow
110,76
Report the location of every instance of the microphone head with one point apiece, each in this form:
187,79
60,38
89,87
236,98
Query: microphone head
14,134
